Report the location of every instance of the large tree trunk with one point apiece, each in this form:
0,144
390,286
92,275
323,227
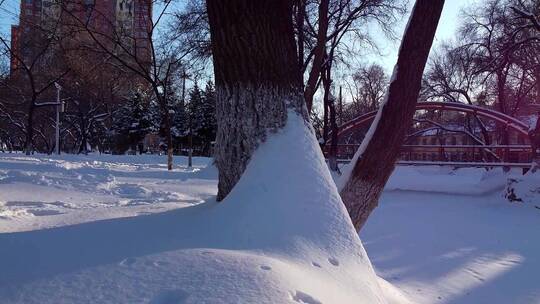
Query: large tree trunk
375,160
253,47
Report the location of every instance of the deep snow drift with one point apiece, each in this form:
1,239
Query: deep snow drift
281,236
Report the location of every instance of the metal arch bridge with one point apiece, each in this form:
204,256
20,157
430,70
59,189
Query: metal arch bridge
509,121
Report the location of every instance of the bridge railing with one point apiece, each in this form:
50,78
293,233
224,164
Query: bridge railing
450,153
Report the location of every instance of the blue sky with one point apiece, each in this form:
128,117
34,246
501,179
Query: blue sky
447,26
445,31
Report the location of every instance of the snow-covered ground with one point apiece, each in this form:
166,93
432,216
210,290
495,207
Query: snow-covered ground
270,241
439,235
39,192
456,248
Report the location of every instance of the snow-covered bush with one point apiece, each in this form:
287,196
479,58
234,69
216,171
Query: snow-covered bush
524,189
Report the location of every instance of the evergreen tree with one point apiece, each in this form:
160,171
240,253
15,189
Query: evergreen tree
209,124
131,123
195,108
179,121
201,120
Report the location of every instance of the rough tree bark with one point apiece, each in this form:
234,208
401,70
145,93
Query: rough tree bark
253,47
376,162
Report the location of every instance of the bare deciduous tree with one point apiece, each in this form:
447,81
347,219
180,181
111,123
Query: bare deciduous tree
154,61
35,75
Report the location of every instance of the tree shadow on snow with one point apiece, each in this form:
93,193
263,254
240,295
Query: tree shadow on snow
466,249
33,255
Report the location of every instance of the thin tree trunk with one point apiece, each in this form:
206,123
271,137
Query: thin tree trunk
537,78
190,142
253,48
168,133
330,123
300,19
340,108
334,140
332,159
377,155
319,54
501,98
534,137
29,144
326,119
326,108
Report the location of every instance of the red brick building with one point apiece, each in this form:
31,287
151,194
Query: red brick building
129,19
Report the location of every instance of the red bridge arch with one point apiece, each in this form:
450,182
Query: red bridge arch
509,121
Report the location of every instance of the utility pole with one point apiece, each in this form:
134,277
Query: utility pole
340,107
190,134
59,106
190,139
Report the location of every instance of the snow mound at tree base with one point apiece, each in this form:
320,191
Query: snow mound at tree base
193,276
281,236
524,189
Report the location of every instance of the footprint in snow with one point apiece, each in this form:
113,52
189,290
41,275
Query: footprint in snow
161,264
264,267
170,297
128,262
302,297
316,264
333,261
